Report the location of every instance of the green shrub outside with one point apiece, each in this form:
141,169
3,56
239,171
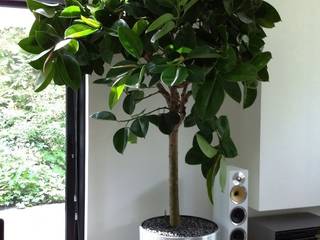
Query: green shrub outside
32,131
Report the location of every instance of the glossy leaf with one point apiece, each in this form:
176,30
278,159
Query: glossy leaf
267,15
174,75
91,22
211,177
115,95
30,45
79,31
203,52
242,72
195,157
159,22
120,140
140,26
45,77
229,149
129,104
104,115
130,41
209,99
233,90
168,27
205,147
250,96
69,71
261,60
71,12
223,174
140,127
38,61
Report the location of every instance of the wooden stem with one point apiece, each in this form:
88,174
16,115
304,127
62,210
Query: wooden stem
174,179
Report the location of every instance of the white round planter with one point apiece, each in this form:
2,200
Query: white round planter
146,234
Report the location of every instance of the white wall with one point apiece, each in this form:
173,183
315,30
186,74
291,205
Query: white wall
124,190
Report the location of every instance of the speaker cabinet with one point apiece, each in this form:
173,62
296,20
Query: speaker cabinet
230,209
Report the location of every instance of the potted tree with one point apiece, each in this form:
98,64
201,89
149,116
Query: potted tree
195,51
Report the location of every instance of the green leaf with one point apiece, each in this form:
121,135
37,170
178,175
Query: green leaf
45,40
129,104
34,5
243,72
223,127
71,45
261,60
133,80
211,177
104,115
233,90
38,61
228,6
115,95
47,12
205,147
30,45
189,5
168,27
229,150
250,95
120,140
174,75
203,52
223,174
91,22
140,127
130,41
45,77
71,12
121,69
209,99
195,157
267,15
132,138
159,22
79,30
68,69
167,122
140,26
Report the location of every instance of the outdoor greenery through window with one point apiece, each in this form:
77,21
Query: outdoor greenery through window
32,138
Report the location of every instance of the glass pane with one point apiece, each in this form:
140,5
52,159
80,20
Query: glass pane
32,141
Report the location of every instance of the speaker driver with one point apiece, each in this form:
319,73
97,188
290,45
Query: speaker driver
238,194
238,178
238,234
238,215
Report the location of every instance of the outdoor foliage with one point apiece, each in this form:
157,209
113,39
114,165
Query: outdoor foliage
204,49
32,139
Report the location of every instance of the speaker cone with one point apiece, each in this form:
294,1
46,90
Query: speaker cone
238,215
238,234
238,194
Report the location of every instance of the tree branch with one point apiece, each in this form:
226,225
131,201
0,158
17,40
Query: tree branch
145,114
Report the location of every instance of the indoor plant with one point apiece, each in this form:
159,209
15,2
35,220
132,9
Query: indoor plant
179,49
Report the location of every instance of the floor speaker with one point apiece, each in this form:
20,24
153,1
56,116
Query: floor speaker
230,209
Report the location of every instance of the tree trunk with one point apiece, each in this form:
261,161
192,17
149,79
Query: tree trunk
174,179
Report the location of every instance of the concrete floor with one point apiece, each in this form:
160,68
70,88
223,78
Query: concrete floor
46,222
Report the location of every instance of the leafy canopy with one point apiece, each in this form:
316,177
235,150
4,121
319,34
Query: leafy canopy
206,49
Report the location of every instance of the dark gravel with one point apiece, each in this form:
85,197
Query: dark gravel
189,227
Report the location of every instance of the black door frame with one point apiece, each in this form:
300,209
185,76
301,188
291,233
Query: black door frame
75,153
